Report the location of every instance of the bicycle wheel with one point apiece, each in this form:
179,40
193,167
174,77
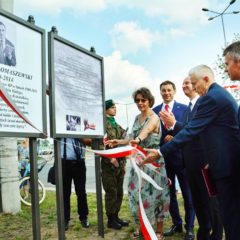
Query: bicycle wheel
25,191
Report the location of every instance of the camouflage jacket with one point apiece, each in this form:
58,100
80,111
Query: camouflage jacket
115,132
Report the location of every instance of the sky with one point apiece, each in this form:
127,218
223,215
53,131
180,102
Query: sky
143,42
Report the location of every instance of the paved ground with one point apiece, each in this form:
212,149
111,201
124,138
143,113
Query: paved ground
91,183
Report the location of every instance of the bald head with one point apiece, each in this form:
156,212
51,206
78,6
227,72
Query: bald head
202,78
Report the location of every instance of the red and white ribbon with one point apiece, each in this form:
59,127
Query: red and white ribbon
119,152
116,152
146,228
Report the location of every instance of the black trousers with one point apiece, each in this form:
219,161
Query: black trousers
216,221
206,208
187,198
229,203
75,171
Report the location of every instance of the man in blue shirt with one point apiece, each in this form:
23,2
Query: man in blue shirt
74,169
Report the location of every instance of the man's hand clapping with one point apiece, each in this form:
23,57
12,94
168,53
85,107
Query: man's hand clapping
167,118
168,138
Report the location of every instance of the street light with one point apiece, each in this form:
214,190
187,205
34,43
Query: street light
220,14
126,110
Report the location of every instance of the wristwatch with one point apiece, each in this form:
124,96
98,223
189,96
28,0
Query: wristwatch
139,139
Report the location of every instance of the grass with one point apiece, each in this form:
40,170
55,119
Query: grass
18,226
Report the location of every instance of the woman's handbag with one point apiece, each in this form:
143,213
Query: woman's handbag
51,175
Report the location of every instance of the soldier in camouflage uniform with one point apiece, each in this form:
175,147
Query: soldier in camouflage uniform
113,171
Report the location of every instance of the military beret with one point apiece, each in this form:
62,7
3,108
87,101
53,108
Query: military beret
109,103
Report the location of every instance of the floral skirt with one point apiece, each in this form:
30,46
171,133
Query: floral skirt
155,202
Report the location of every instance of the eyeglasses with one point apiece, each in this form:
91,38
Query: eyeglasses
138,100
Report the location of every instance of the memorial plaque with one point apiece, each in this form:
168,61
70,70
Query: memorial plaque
77,98
22,78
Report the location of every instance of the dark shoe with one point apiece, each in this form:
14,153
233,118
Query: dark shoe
112,223
137,236
66,225
84,223
122,222
172,230
189,235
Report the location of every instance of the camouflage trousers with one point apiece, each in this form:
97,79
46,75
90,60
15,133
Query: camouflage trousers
112,179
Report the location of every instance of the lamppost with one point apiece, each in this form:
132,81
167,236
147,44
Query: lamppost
126,109
220,14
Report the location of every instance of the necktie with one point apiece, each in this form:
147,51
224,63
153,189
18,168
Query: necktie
239,116
190,105
189,111
65,149
77,146
167,110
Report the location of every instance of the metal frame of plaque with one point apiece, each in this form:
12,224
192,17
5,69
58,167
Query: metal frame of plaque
74,65
74,52
42,132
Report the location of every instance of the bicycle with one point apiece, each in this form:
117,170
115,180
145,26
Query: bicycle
24,185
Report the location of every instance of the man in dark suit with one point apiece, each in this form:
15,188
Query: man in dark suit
174,164
206,208
216,122
232,62
7,50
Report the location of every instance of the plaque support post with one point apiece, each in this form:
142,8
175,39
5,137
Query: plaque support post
34,189
59,189
95,145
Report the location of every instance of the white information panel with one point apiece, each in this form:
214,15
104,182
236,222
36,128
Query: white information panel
78,91
21,77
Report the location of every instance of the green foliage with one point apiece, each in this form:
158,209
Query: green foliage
219,65
45,142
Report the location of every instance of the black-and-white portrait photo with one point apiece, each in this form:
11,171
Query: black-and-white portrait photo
73,123
7,49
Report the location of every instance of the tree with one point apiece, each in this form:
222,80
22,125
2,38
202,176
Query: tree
223,78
